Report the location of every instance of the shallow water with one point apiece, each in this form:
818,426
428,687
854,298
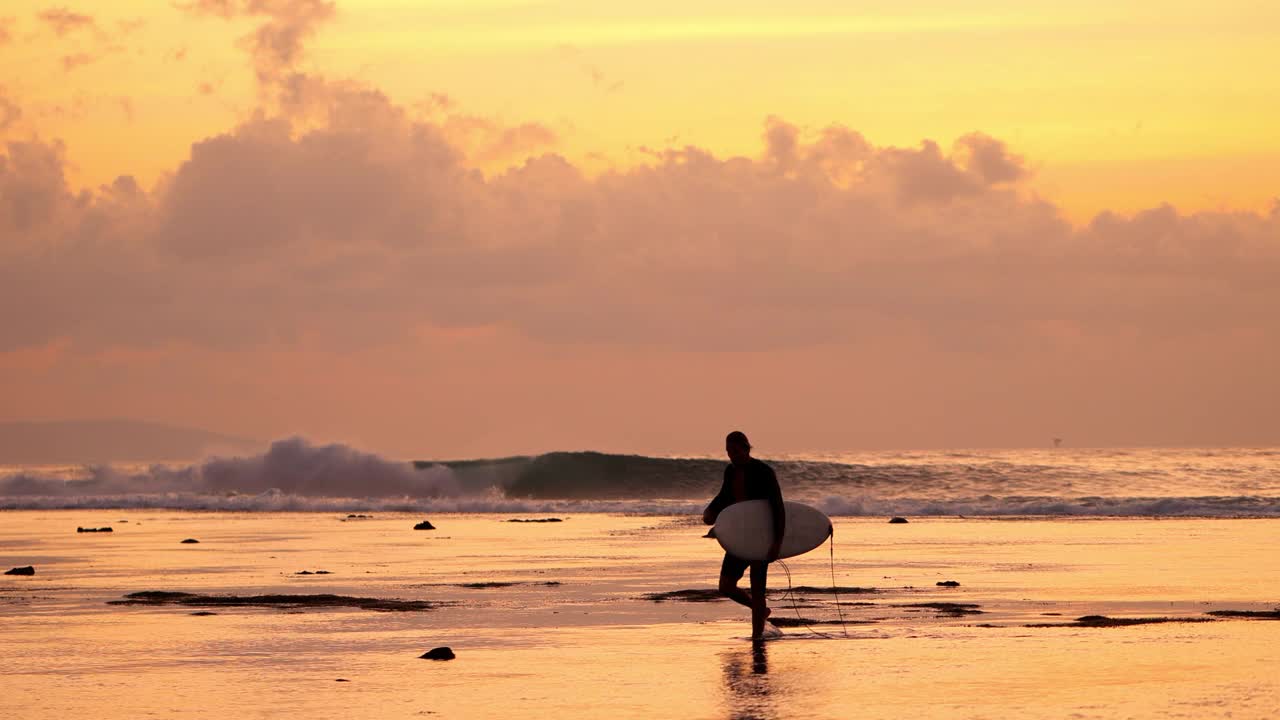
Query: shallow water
592,645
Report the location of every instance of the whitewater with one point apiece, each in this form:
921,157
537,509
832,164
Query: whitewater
298,476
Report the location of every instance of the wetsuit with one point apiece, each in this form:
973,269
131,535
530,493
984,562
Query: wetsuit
758,483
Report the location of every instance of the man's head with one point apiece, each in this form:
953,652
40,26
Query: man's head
737,446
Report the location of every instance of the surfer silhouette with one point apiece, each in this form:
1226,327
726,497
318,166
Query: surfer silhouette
747,478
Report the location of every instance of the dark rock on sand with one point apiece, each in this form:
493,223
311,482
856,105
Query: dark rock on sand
803,621
341,680
502,584
154,597
440,653
698,595
897,520
1104,621
536,520
947,608
424,525
834,590
1262,614
948,583
701,595
101,529
190,541
313,572
287,602
27,570
203,613
359,517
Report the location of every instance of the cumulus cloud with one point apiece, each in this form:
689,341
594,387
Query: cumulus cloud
487,143
75,60
276,45
371,223
130,26
989,159
63,21
225,9
10,112
599,80
35,198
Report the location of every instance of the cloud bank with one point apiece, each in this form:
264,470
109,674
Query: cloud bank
372,223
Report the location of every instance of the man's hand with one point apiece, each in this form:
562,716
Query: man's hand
774,550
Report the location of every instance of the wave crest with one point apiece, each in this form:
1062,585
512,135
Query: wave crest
292,467
295,475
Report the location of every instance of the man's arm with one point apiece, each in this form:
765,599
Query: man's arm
718,503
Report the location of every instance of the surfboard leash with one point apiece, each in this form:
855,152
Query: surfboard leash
792,594
831,543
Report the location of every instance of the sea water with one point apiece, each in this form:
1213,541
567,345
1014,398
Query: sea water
296,475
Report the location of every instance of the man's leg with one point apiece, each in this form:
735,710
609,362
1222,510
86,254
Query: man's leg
731,571
759,609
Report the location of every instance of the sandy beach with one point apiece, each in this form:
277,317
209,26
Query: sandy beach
612,615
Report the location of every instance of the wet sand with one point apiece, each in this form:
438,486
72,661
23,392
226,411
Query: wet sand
613,615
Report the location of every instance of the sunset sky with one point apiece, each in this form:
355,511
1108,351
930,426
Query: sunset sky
485,227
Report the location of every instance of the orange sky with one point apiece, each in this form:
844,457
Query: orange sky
1117,107
942,227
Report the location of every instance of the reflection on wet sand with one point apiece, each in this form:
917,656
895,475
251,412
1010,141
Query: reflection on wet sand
749,694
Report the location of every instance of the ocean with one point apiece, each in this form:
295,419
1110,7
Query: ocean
1065,583
294,475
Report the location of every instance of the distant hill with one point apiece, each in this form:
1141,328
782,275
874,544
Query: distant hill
93,441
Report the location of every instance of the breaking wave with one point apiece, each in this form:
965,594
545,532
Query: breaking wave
295,475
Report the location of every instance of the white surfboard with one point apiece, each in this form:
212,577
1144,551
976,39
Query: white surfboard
745,529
